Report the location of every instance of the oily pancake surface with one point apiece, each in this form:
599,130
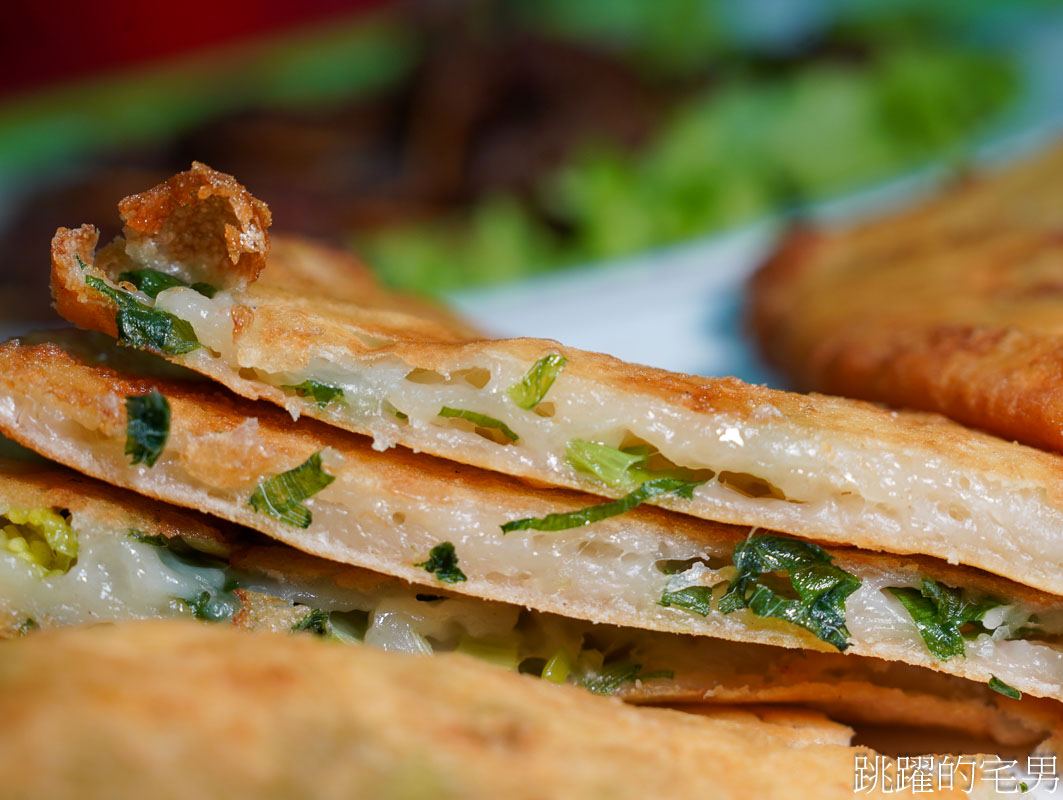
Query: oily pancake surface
955,306
196,711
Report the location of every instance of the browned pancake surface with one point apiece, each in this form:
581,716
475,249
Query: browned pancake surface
955,306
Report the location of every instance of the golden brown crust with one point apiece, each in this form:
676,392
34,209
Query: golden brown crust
198,711
50,374
28,486
73,299
954,306
49,377
204,218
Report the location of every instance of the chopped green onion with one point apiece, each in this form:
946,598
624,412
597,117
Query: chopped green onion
146,328
532,388
585,516
148,427
622,468
151,282
997,685
208,607
558,667
282,495
608,464
26,627
316,622
940,613
443,563
613,676
322,393
697,599
482,420
821,587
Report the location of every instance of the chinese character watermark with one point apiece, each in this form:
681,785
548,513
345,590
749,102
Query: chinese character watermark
927,774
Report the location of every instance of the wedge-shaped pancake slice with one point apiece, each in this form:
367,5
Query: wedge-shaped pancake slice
416,517
817,467
200,711
955,306
137,559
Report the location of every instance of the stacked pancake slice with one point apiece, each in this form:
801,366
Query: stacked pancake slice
362,466
953,306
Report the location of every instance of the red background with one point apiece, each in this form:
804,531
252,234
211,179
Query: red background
50,42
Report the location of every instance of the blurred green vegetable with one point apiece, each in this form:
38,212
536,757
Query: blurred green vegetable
726,155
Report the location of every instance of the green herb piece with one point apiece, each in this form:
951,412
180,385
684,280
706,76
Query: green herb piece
532,388
147,328
612,677
997,685
40,537
585,516
148,428
322,393
942,615
282,496
608,464
697,599
558,667
151,282
821,587
317,622
443,563
342,626
207,606
26,627
482,420
622,468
